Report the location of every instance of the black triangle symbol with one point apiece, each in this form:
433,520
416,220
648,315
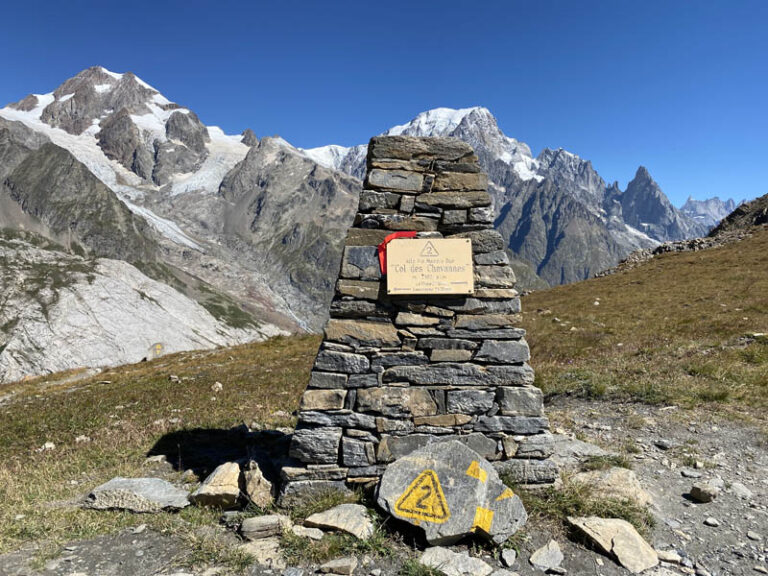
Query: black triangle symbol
429,250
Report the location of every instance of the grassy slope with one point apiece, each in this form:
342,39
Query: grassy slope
124,418
672,330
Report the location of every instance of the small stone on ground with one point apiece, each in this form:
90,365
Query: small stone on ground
453,563
350,518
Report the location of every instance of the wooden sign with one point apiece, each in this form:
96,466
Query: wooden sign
430,266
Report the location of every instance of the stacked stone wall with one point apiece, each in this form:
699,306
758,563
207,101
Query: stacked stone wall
395,373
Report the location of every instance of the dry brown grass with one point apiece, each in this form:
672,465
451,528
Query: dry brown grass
125,412
670,331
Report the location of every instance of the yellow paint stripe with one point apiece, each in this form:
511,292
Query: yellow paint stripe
475,471
506,494
483,520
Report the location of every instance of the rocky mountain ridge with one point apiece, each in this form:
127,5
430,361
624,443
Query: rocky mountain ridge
556,211
62,311
709,212
107,166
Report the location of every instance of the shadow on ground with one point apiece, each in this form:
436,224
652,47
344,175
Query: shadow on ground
203,449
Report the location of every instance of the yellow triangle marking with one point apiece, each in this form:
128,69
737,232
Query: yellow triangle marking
506,494
424,500
475,471
483,520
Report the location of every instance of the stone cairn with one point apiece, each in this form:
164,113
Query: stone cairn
395,373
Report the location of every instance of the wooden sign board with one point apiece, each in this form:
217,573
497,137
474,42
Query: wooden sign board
430,266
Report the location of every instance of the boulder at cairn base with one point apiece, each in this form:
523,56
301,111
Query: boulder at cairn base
450,492
221,489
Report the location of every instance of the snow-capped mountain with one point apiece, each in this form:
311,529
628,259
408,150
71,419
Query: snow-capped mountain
105,166
555,209
709,212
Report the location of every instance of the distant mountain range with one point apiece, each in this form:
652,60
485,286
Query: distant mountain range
251,230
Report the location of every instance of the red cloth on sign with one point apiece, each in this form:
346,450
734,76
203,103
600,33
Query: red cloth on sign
383,247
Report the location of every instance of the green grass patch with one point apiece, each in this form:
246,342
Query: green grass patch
606,462
553,505
300,550
412,567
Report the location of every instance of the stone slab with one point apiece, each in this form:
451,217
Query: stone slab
450,492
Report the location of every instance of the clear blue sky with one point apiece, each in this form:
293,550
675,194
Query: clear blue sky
678,86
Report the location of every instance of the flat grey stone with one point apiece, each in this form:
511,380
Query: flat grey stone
461,375
450,491
512,424
619,539
295,493
521,471
343,362
316,445
452,563
350,518
259,527
137,495
469,401
548,557
520,401
504,351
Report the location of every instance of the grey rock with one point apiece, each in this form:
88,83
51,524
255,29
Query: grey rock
497,258
741,491
537,446
304,532
460,375
395,180
299,492
446,344
371,200
498,334
341,362
316,445
327,380
520,401
259,527
512,424
407,148
137,495
569,452
483,241
451,563
343,418
520,471
704,492
619,539
361,333
495,276
508,557
360,263
357,452
350,518
469,401
503,351
548,557
450,491
258,489
388,359
343,566
221,489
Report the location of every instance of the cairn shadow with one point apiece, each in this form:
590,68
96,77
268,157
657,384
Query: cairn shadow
203,449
